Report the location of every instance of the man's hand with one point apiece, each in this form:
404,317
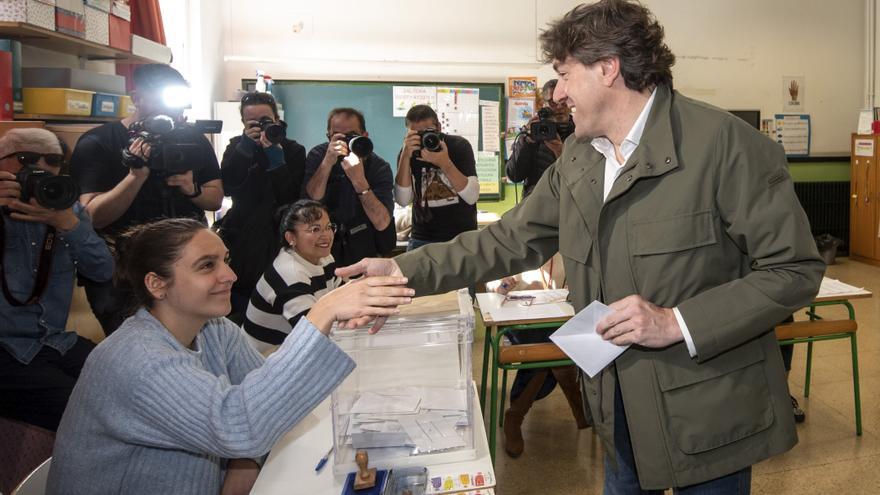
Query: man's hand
555,146
10,189
358,302
63,220
637,321
241,474
184,181
439,158
354,170
411,143
336,149
371,267
507,285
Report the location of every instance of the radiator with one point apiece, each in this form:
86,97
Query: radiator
827,207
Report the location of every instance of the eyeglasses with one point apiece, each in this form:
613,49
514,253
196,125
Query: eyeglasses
317,229
257,99
30,158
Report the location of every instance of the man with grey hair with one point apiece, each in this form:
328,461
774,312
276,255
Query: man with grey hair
682,218
40,248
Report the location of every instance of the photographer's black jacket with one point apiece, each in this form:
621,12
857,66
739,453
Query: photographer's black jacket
356,238
527,162
249,228
96,165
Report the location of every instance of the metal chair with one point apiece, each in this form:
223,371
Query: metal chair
818,329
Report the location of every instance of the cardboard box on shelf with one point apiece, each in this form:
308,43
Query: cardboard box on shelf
149,49
70,17
29,11
97,25
63,77
104,105
57,101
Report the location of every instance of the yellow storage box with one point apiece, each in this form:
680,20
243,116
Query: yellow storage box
57,101
126,106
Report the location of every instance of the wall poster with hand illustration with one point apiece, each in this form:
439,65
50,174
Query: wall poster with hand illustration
794,94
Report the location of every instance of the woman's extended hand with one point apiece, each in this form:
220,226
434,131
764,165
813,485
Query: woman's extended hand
358,302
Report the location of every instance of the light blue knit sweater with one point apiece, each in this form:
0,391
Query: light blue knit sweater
151,416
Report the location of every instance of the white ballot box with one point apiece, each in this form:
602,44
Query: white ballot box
409,401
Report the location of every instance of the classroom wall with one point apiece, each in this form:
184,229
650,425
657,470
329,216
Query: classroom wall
731,54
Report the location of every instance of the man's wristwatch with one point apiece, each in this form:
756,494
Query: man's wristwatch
197,191
365,191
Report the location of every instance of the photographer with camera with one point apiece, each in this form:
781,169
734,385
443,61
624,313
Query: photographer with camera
262,170
44,236
541,144
356,186
443,170
147,166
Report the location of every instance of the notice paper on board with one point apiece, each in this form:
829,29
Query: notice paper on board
578,339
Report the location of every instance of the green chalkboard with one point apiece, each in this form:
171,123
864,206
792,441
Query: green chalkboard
307,103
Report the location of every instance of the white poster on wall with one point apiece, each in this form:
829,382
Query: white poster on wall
490,124
794,94
793,133
459,113
406,97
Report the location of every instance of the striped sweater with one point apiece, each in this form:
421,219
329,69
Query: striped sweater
149,415
286,292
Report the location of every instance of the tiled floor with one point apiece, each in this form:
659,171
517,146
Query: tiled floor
829,458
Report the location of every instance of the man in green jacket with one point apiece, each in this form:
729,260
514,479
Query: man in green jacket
685,220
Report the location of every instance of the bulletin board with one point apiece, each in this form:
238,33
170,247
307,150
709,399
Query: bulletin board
307,103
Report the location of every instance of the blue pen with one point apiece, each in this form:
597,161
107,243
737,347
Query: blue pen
323,460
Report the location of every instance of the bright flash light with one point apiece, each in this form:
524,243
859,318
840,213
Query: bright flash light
176,97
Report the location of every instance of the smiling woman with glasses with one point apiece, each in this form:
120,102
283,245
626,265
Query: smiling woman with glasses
300,275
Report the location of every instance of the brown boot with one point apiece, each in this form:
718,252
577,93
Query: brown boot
566,376
513,417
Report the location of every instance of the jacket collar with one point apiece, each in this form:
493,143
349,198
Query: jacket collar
656,152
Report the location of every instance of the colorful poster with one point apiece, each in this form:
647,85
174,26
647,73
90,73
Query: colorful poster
406,97
522,87
519,112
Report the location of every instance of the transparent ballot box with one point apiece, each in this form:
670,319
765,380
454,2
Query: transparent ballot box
409,401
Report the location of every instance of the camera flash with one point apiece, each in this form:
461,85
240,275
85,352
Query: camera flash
176,97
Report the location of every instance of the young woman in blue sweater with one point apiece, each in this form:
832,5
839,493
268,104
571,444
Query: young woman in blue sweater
176,401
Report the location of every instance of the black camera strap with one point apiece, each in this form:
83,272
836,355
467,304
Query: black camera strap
44,266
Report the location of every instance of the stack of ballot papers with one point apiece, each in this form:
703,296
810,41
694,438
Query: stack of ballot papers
418,419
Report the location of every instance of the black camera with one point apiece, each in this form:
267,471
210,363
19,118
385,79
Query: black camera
361,146
58,192
275,131
546,129
175,148
430,139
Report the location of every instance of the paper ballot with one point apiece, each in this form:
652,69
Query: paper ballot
578,339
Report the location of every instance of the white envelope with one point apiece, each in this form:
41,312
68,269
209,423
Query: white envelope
578,339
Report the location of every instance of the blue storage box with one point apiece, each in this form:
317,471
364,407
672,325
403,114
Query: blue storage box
105,105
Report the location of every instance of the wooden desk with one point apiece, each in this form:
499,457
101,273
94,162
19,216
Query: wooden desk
290,467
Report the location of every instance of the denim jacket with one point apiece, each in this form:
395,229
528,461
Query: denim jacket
24,330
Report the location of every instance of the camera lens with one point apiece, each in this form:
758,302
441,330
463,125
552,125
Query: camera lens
361,146
275,131
57,192
431,141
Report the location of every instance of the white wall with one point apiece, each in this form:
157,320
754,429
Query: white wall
733,54
194,32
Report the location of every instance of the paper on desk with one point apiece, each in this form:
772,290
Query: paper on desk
831,287
578,339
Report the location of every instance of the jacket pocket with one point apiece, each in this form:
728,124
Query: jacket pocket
670,235
574,242
717,402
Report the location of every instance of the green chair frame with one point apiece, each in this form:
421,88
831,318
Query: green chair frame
853,349
492,346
